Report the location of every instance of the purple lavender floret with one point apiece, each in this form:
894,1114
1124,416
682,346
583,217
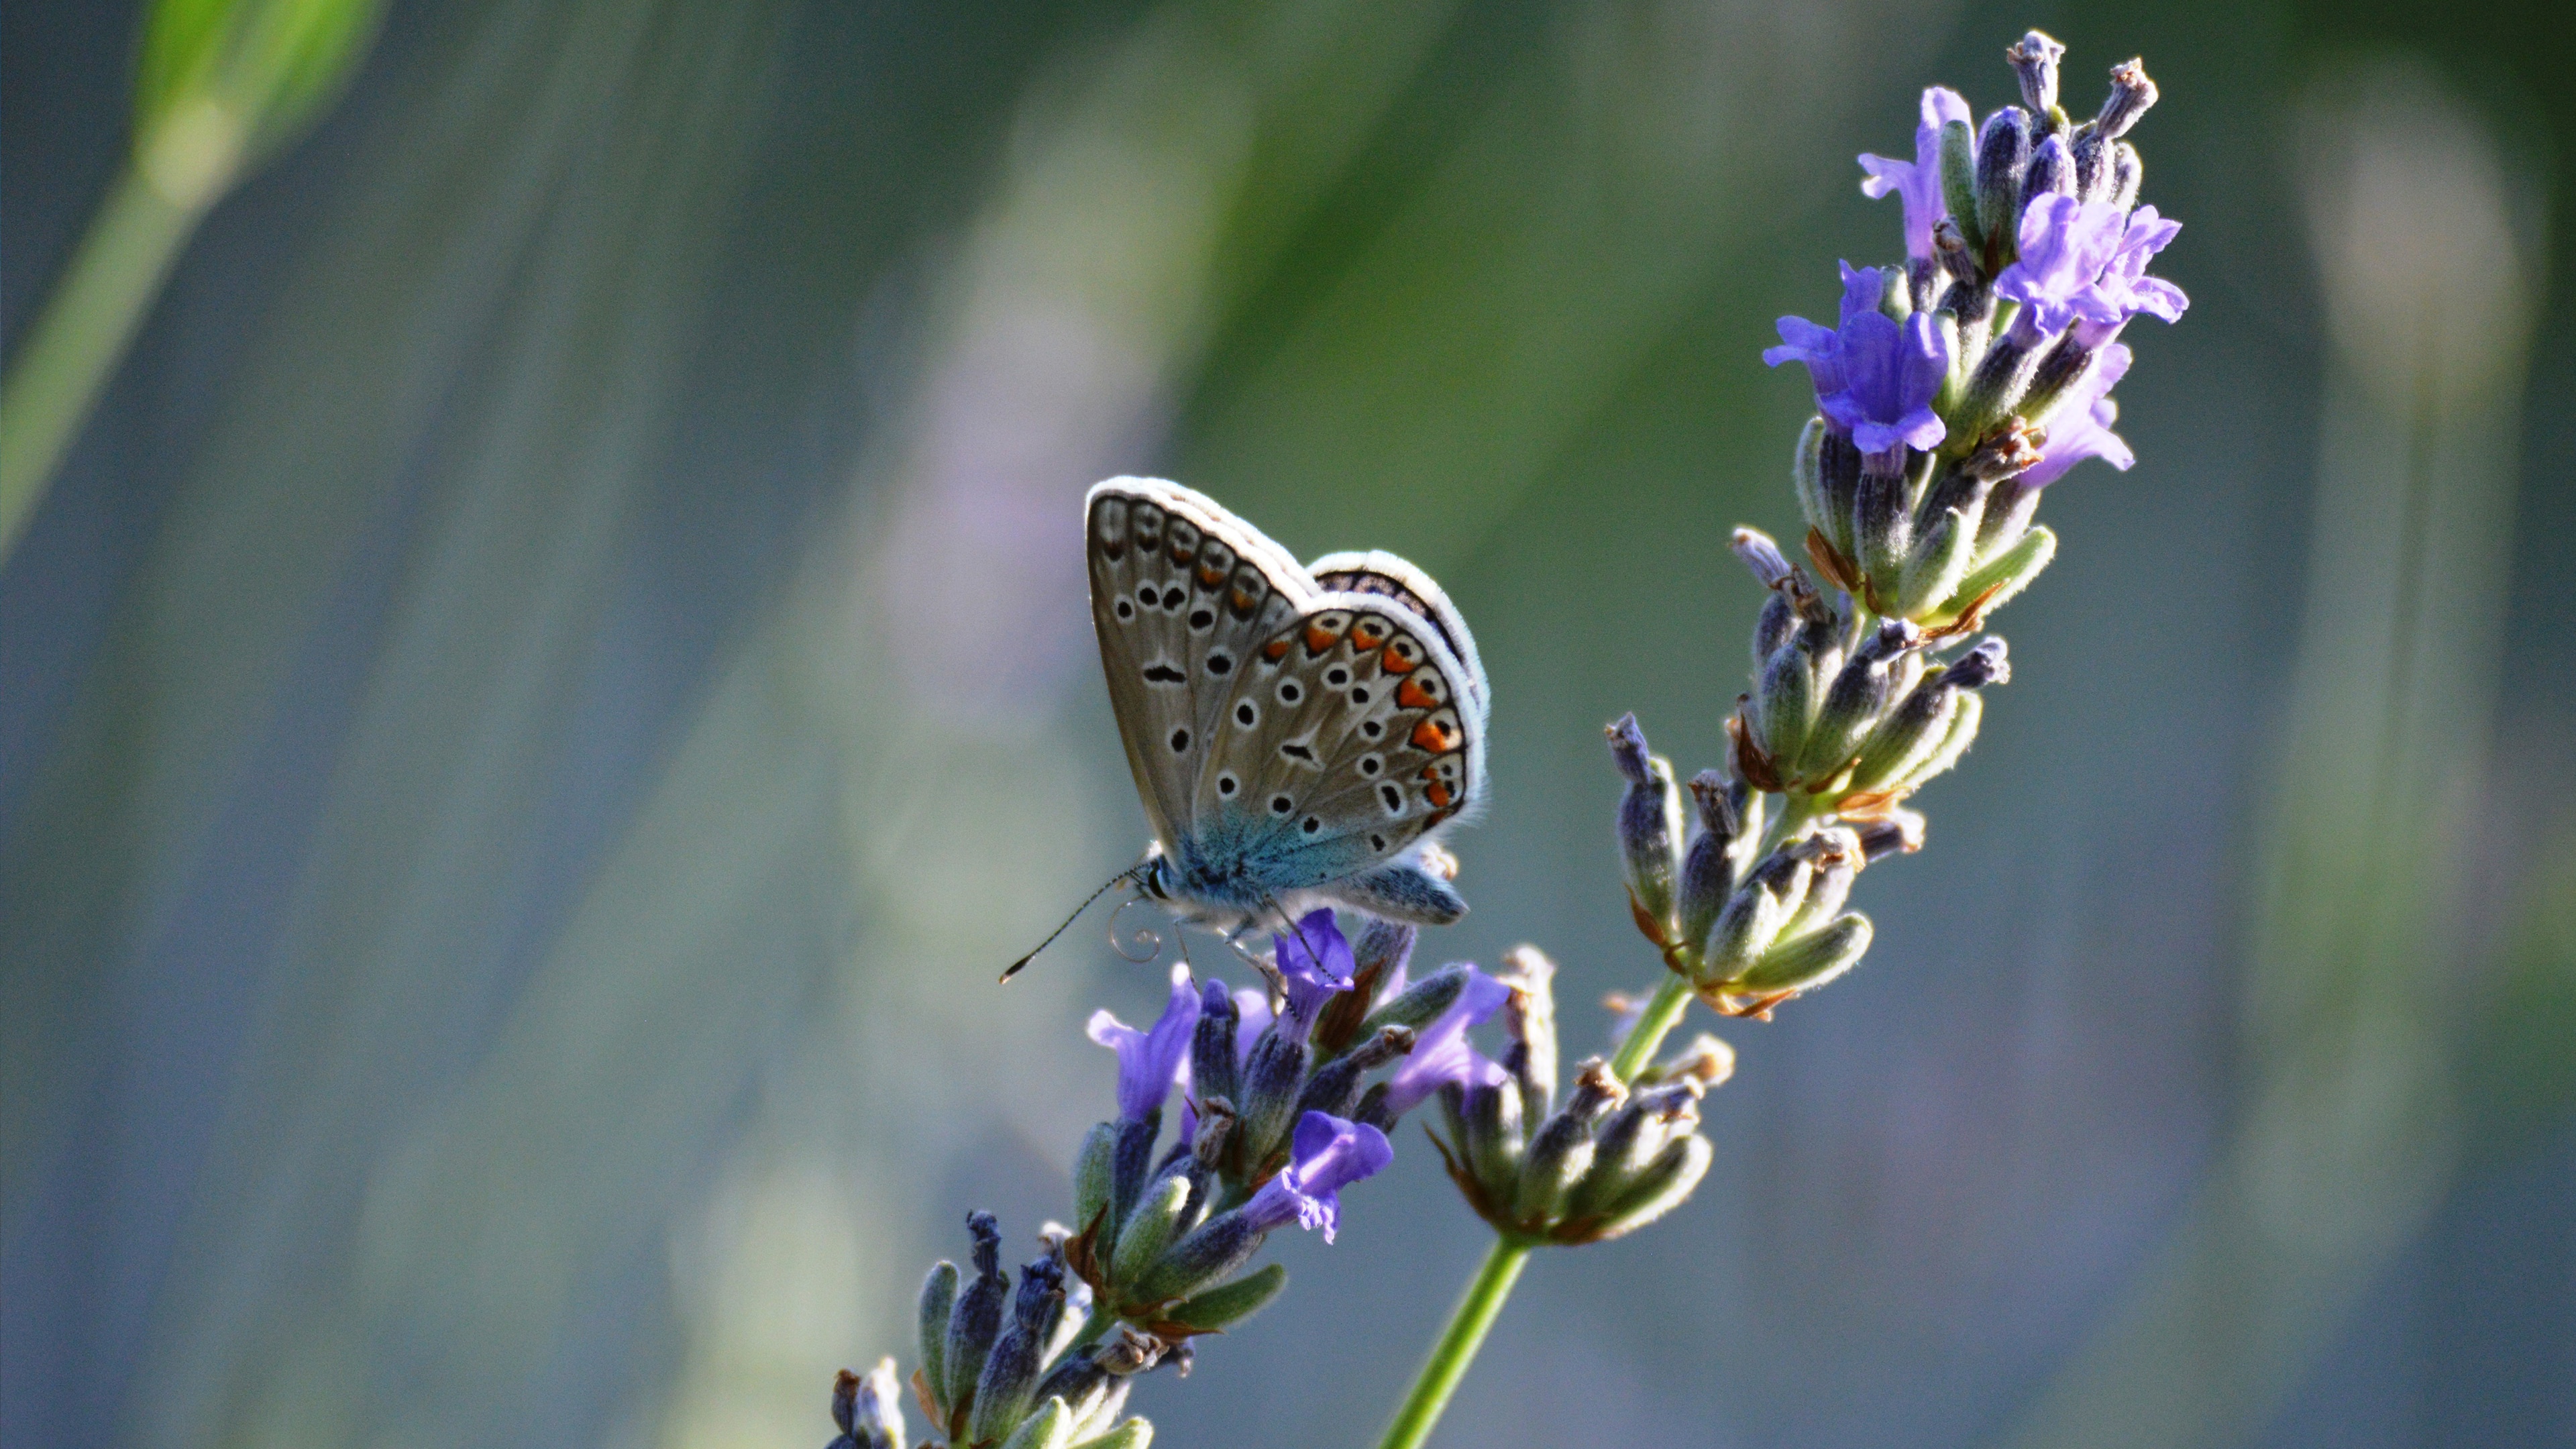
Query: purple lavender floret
1875,378
1442,1053
1918,182
1316,960
1150,1061
2065,244
2080,427
1326,1155
2126,285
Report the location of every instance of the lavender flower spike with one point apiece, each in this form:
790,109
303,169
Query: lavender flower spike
1918,182
2126,285
1442,1054
1327,1155
1150,1061
2080,428
1874,377
2065,244
1315,959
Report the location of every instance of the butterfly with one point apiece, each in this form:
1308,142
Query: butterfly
1300,735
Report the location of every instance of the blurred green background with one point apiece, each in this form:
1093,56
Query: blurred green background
557,672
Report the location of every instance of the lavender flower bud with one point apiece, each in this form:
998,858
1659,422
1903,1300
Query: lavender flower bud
1335,1088
1838,486
2003,154
938,1300
1958,259
1561,1150
977,1318
1708,868
1854,700
1131,1162
1082,1381
2052,170
1010,1371
2034,61
1629,1141
1051,1427
1650,825
1095,1181
1762,555
1378,960
1529,1017
1486,1121
1665,1184
1216,1126
2131,94
1272,1079
1149,1230
1810,960
1418,1003
1939,560
1230,1303
1772,628
1881,526
1959,184
1212,1044
1784,700
869,1410
1896,832
1754,915
2128,173
1827,890
1807,477
1134,1434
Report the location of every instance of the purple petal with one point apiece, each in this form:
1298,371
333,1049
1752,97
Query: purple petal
1313,979
1326,1155
1442,1053
1150,1061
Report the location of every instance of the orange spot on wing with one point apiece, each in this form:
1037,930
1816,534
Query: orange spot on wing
1211,577
1319,638
1243,603
1394,663
1432,736
1362,638
1411,695
1276,649
1438,794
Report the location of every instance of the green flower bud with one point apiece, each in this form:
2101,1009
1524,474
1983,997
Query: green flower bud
1094,1179
1959,183
938,1300
1754,915
1933,570
2003,154
1051,1427
1149,1229
1650,825
1417,1003
1561,1151
1134,1434
1229,1303
1807,473
1810,960
1665,1184
1954,742
1991,584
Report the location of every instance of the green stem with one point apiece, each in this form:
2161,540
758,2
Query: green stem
1475,1313
81,333
1661,1015
1483,1300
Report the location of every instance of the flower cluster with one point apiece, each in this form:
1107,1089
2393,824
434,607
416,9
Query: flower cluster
1284,1101
1606,1159
1953,389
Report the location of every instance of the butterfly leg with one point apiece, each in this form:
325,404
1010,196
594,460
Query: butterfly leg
1404,890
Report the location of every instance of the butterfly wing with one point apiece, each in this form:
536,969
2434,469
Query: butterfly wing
1384,574
1182,595
1352,735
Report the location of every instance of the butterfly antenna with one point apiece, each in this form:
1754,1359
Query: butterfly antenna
1022,964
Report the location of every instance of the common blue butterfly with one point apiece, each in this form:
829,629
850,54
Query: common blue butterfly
1299,734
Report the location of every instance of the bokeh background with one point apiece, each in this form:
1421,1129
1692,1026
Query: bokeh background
557,672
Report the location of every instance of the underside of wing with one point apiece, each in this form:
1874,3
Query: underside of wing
1182,594
1386,575
1350,737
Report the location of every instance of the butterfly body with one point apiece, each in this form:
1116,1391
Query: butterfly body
1299,734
